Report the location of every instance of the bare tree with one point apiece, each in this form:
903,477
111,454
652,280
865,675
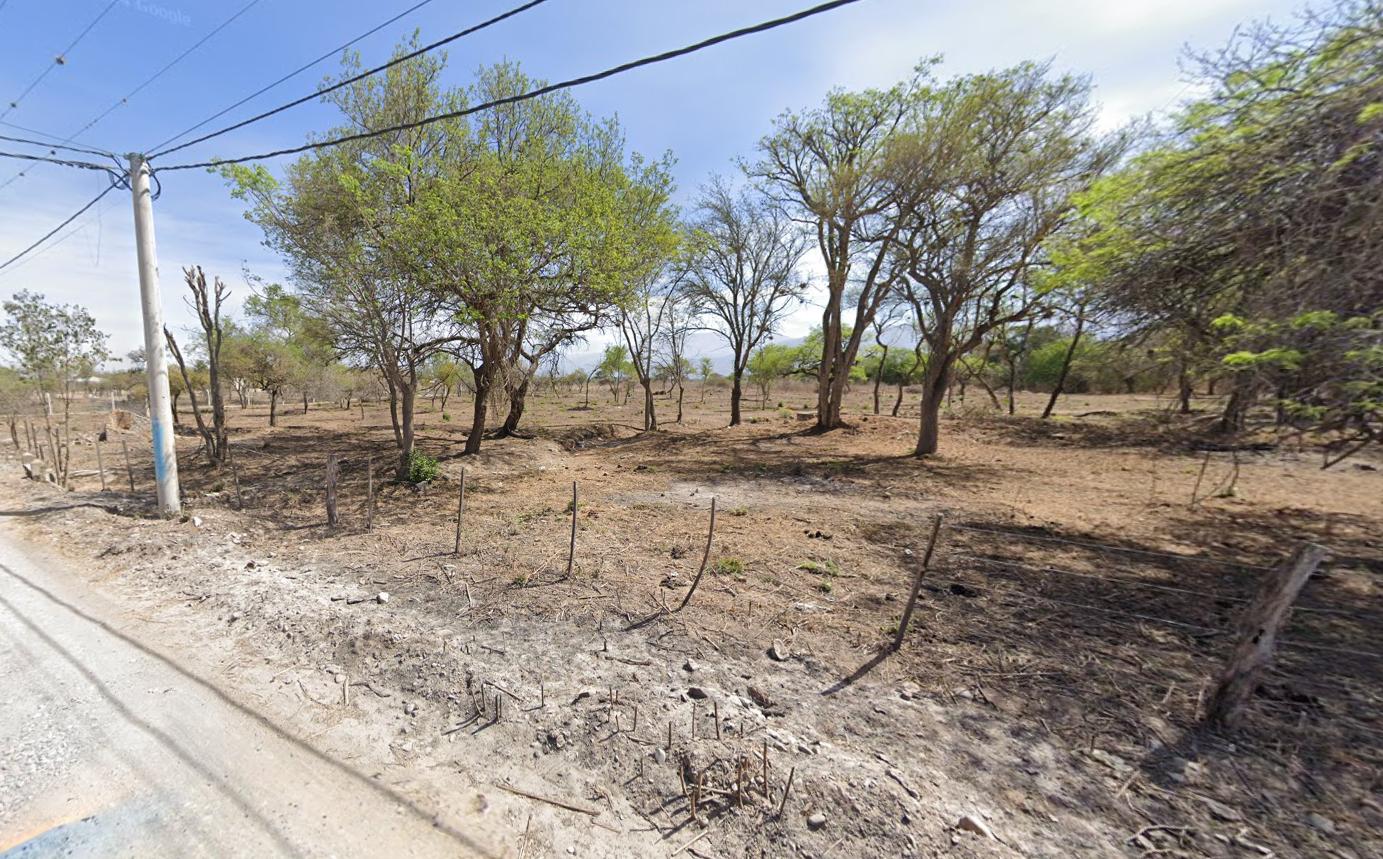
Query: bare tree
206,303
744,273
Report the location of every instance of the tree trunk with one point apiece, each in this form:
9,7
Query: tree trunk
1236,407
517,399
177,420
736,395
273,408
304,402
935,384
1065,364
827,417
483,380
681,392
650,418
879,376
407,392
1184,391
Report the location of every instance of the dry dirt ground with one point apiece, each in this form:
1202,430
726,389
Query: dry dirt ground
1045,703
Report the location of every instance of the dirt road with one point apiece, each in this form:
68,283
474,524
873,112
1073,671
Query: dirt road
110,749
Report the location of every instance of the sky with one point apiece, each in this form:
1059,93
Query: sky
708,109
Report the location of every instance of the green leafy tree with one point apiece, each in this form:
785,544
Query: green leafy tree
987,165
769,363
1260,205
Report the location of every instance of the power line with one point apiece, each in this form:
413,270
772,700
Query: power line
358,77
534,93
51,147
60,59
55,243
161,72
84,165
132,93
82,211
299,70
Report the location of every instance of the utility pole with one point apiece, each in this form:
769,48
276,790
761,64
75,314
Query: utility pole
155,362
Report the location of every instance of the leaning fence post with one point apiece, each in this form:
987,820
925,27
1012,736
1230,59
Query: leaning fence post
461,513
1258,628
129,469
571,550
235,475
370,494
333,470
917,583
100,466
706,556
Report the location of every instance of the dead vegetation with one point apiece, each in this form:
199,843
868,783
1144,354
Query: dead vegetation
1047,700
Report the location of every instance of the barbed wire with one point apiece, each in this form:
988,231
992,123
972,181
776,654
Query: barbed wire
1106,547
1335,612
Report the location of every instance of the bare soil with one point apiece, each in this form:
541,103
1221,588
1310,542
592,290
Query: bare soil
1076,614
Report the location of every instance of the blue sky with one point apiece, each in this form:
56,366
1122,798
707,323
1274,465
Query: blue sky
708,109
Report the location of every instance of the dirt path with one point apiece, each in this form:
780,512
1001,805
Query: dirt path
112,749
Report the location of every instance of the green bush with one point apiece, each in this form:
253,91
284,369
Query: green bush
421,468
728,567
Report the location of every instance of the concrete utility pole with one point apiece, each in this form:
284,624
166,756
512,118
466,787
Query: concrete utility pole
155,363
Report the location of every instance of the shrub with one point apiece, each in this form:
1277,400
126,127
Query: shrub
829,568
421,468
728,567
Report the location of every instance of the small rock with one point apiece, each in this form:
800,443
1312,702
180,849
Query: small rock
410,708
1109,759
779,651
689,666
382,597
659,755
1324,824
1220,811
696,692
758,696
816,820
972,823
196,521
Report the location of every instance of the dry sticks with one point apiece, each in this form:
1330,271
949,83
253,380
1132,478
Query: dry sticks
710,535
370,494
571,551
333,473
460,512
129,469
917,584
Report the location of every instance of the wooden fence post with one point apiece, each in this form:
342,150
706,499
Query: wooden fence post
333,472
917,583
235,475
461,512
1258,628
710,534
370,494
100,466
129,469
571,550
